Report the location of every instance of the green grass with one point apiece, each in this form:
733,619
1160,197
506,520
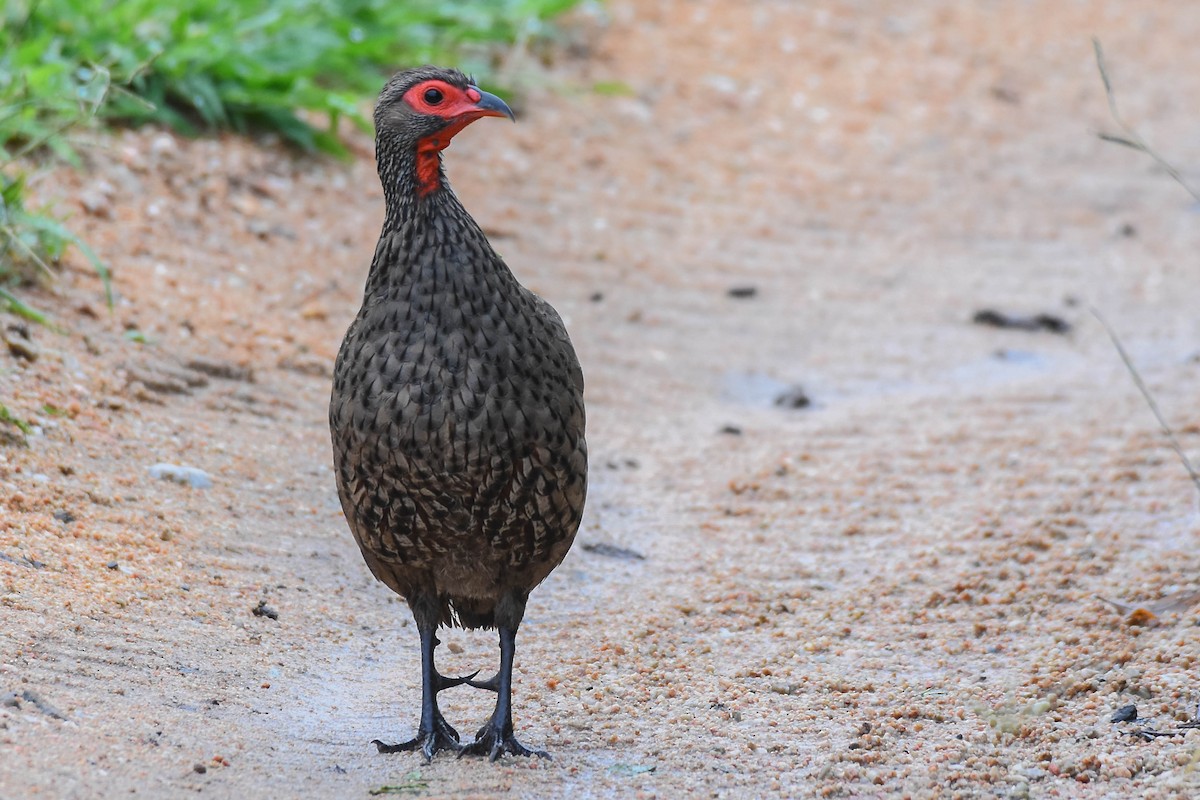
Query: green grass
293,67
242,65
412,783
9,417
31,241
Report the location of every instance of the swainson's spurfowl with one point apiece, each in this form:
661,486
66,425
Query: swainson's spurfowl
457,410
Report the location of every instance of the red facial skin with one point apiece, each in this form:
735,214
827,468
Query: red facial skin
459,107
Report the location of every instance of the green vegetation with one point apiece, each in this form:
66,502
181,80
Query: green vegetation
31,241
10,418
412,783
613,89
203,65
294,67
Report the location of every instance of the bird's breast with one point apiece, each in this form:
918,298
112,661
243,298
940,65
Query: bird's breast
452,380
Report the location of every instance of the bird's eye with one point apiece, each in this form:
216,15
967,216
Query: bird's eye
434,96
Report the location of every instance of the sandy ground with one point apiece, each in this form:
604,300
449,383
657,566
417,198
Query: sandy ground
891,592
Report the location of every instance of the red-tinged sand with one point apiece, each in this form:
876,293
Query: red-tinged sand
895,591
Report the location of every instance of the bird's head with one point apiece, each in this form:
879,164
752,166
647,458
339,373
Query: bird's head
419,112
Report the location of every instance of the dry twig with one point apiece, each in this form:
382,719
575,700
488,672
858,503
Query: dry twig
1131,137
1141,385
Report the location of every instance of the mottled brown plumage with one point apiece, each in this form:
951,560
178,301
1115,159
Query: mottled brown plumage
457,409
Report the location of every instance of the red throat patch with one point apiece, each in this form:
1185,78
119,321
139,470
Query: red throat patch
428,163
429,154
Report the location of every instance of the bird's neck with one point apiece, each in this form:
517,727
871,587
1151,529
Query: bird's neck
428,237
411,175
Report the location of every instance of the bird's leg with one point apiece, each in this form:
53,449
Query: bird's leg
433,733
496,737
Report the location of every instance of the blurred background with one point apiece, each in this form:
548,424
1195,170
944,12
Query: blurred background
875,505
296,68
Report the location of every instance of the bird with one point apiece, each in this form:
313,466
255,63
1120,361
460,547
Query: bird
456,413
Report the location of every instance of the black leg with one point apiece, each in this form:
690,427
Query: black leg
434,733
496,737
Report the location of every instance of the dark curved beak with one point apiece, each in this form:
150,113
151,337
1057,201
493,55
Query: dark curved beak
491,106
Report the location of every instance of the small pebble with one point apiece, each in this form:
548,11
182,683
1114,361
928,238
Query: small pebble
1125,714
264,610
21,347
795,397
189,476
96,203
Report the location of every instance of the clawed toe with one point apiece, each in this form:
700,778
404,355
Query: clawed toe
430,743
403,747
493,743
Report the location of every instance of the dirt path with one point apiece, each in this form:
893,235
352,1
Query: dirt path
891,591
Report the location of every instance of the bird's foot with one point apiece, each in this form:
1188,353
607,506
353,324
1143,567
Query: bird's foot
494,741
440,736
